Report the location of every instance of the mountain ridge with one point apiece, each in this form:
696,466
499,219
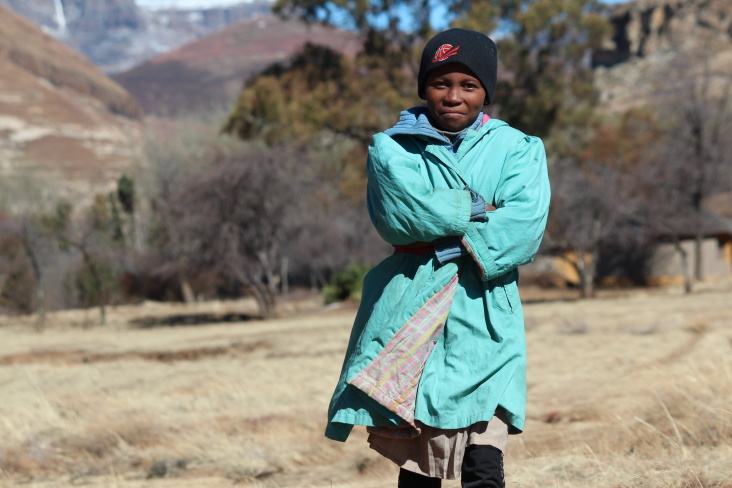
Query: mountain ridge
209,73
59,64
66,128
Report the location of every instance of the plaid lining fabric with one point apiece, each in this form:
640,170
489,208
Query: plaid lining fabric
478,264
391,379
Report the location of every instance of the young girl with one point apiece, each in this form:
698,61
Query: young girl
436,363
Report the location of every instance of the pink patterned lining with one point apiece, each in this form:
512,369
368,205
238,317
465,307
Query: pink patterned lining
393,376
473,255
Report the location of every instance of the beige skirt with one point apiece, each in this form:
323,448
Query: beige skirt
438,453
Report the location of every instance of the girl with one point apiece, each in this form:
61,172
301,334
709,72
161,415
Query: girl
436,363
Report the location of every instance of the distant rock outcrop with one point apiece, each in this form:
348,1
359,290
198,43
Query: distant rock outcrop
650,34
209,73
644,28
66,129
118,34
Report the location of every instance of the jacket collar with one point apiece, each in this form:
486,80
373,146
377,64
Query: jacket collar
415,121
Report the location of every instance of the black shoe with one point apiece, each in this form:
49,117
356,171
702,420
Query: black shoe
409,479
482,467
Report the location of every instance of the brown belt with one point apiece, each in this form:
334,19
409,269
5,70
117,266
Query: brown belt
418,248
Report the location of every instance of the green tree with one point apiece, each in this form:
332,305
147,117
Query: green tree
126,193
321,94
346,284
328,102
545,86
390,28
95,237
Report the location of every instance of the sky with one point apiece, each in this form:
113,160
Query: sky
216,3
188,3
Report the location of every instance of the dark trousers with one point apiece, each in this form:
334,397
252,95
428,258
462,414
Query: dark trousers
482,468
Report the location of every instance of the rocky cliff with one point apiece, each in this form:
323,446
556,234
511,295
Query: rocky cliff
651,35
66,129
645,28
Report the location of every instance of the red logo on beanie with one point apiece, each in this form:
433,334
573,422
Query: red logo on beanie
445,51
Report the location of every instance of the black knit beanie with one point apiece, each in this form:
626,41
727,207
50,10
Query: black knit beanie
472,49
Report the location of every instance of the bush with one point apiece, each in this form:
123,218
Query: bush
346,284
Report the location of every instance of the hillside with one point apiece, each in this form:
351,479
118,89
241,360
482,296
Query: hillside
60,118
118,34
209,73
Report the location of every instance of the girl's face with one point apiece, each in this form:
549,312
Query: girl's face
454,97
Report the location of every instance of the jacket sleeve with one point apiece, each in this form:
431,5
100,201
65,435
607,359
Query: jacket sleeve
512,233
403,207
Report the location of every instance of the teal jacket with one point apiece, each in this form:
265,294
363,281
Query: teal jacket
416,194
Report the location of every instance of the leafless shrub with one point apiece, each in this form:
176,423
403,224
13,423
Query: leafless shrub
234,218
585,215
231,218
166,468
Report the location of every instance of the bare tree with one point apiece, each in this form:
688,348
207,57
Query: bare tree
178,152
282,212
27,254
332,233
233,218
32,242
584,216
644,177
18,281
694,99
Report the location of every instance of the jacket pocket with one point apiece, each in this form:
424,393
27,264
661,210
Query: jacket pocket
503,291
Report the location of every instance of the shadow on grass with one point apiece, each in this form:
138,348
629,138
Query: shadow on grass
185,320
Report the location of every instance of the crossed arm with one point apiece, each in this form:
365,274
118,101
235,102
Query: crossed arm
406,211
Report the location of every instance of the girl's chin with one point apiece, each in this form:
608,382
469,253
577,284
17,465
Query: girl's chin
452,124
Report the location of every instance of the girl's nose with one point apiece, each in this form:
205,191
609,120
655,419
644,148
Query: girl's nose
453,95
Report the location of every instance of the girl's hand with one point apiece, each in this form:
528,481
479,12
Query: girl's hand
489,207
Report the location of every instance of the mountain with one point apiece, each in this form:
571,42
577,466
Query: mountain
118,34
65,127
208,73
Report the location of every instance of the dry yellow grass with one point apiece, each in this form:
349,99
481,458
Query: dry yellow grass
631,390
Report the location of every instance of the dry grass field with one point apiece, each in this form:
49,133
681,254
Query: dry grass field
632,389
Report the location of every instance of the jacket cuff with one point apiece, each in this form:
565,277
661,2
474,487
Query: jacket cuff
478,250
477,207
448,248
